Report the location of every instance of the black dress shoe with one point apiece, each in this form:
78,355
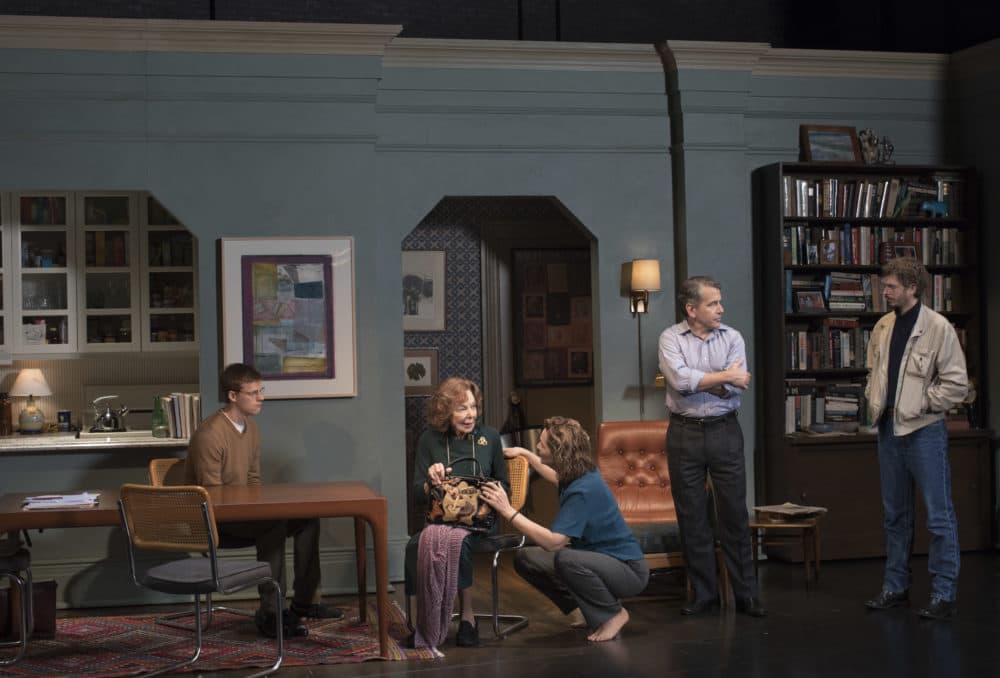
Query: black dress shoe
887,600
267,624
938,608
701,607
467,636
751,607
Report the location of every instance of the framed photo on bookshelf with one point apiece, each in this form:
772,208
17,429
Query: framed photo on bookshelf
810,301
829,253
829,143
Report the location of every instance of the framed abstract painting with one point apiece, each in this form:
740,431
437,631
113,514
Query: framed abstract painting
287,309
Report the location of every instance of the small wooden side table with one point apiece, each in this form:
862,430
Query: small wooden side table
770,530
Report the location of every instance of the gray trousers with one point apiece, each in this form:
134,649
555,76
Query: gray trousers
269,537
572,578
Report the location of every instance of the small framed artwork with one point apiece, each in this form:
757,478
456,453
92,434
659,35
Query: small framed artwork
828,143
810,301
829,253
812,253
552,309
420,371
423,291
904,249
287,308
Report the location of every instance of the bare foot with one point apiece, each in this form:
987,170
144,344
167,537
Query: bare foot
609,629
576,620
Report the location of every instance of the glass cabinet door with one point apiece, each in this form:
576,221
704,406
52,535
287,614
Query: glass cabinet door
109,318
45,287
169,278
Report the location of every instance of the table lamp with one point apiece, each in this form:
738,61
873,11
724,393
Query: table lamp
31,382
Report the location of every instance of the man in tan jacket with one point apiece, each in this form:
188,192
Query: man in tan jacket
916,373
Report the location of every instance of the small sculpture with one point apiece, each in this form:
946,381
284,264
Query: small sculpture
868,141
885,151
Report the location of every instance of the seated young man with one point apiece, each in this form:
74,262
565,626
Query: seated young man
225,450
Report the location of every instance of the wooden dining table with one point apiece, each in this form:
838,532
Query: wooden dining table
256,502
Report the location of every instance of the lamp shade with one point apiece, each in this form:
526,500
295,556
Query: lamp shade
30,381
645,275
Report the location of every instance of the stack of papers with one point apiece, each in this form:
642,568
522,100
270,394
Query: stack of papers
61,501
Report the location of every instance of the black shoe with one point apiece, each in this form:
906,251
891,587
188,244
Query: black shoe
938,608
467,636
887,600
318,611
751,607
701,607
291,624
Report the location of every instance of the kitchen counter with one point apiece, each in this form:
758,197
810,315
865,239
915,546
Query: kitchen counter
84,441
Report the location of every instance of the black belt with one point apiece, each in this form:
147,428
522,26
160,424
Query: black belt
702,421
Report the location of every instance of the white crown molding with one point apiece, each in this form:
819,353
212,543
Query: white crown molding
521,55
978,61
762,59
163,35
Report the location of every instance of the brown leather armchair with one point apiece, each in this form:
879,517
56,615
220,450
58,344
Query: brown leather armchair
632,458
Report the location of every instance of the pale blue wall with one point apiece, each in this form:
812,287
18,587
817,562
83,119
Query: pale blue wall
271,145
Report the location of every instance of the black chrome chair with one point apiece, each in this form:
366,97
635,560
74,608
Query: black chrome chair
180,519
15,565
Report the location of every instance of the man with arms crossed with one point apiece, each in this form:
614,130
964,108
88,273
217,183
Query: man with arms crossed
225,450
916,373
704,363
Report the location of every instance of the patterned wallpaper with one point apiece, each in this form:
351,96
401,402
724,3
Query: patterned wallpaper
455,225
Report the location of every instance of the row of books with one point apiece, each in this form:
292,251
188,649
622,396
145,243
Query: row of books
817,407
183,412
835,291
847,245
838,343
836,407
840,291
886,197
106,248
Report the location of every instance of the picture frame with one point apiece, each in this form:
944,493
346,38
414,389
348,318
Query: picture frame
424,290
829,252
829,143
810,301
286,308
905,249
420,371
553,317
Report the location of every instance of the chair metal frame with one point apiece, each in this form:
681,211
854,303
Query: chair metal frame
11,566
180,519
503,623
167,471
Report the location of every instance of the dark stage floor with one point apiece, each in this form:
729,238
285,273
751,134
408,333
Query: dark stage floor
820,632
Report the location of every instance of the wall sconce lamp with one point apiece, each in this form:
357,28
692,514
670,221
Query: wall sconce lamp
643,276
31,382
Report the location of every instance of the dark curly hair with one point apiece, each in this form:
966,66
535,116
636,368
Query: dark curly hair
909,272
446,398
569,446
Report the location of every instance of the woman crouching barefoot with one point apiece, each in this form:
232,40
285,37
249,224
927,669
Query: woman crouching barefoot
588,559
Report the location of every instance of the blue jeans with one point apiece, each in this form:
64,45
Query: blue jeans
921,457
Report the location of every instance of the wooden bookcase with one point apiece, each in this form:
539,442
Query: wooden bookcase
821,234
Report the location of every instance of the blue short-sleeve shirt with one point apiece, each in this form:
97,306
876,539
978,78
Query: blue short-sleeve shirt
589,516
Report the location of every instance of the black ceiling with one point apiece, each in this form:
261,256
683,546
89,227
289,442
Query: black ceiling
891,25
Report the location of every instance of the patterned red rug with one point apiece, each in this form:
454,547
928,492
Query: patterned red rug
101,647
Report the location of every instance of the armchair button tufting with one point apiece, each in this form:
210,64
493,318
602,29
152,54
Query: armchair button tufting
642,484
662,484
621,451
620,483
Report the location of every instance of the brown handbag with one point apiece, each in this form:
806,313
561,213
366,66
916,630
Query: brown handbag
457,501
